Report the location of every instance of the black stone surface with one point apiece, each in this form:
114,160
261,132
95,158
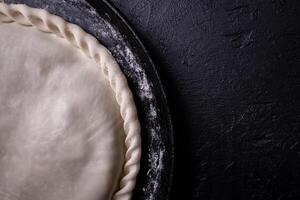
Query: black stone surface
102,21
231,69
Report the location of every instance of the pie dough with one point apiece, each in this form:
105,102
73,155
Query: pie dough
68,124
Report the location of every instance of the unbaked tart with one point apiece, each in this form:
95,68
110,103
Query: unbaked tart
68,123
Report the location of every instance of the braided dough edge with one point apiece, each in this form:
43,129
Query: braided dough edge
46,22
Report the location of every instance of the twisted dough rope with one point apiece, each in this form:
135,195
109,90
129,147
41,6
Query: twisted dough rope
49,23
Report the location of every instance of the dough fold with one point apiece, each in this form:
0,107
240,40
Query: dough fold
68,126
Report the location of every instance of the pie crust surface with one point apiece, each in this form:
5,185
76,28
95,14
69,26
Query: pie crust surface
68,126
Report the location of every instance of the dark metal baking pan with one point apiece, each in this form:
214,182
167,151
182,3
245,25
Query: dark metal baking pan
103,21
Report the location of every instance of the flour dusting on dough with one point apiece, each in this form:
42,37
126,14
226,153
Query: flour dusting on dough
135,71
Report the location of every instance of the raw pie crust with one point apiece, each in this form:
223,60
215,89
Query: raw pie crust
68,123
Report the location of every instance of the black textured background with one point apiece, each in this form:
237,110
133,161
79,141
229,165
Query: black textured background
231,70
